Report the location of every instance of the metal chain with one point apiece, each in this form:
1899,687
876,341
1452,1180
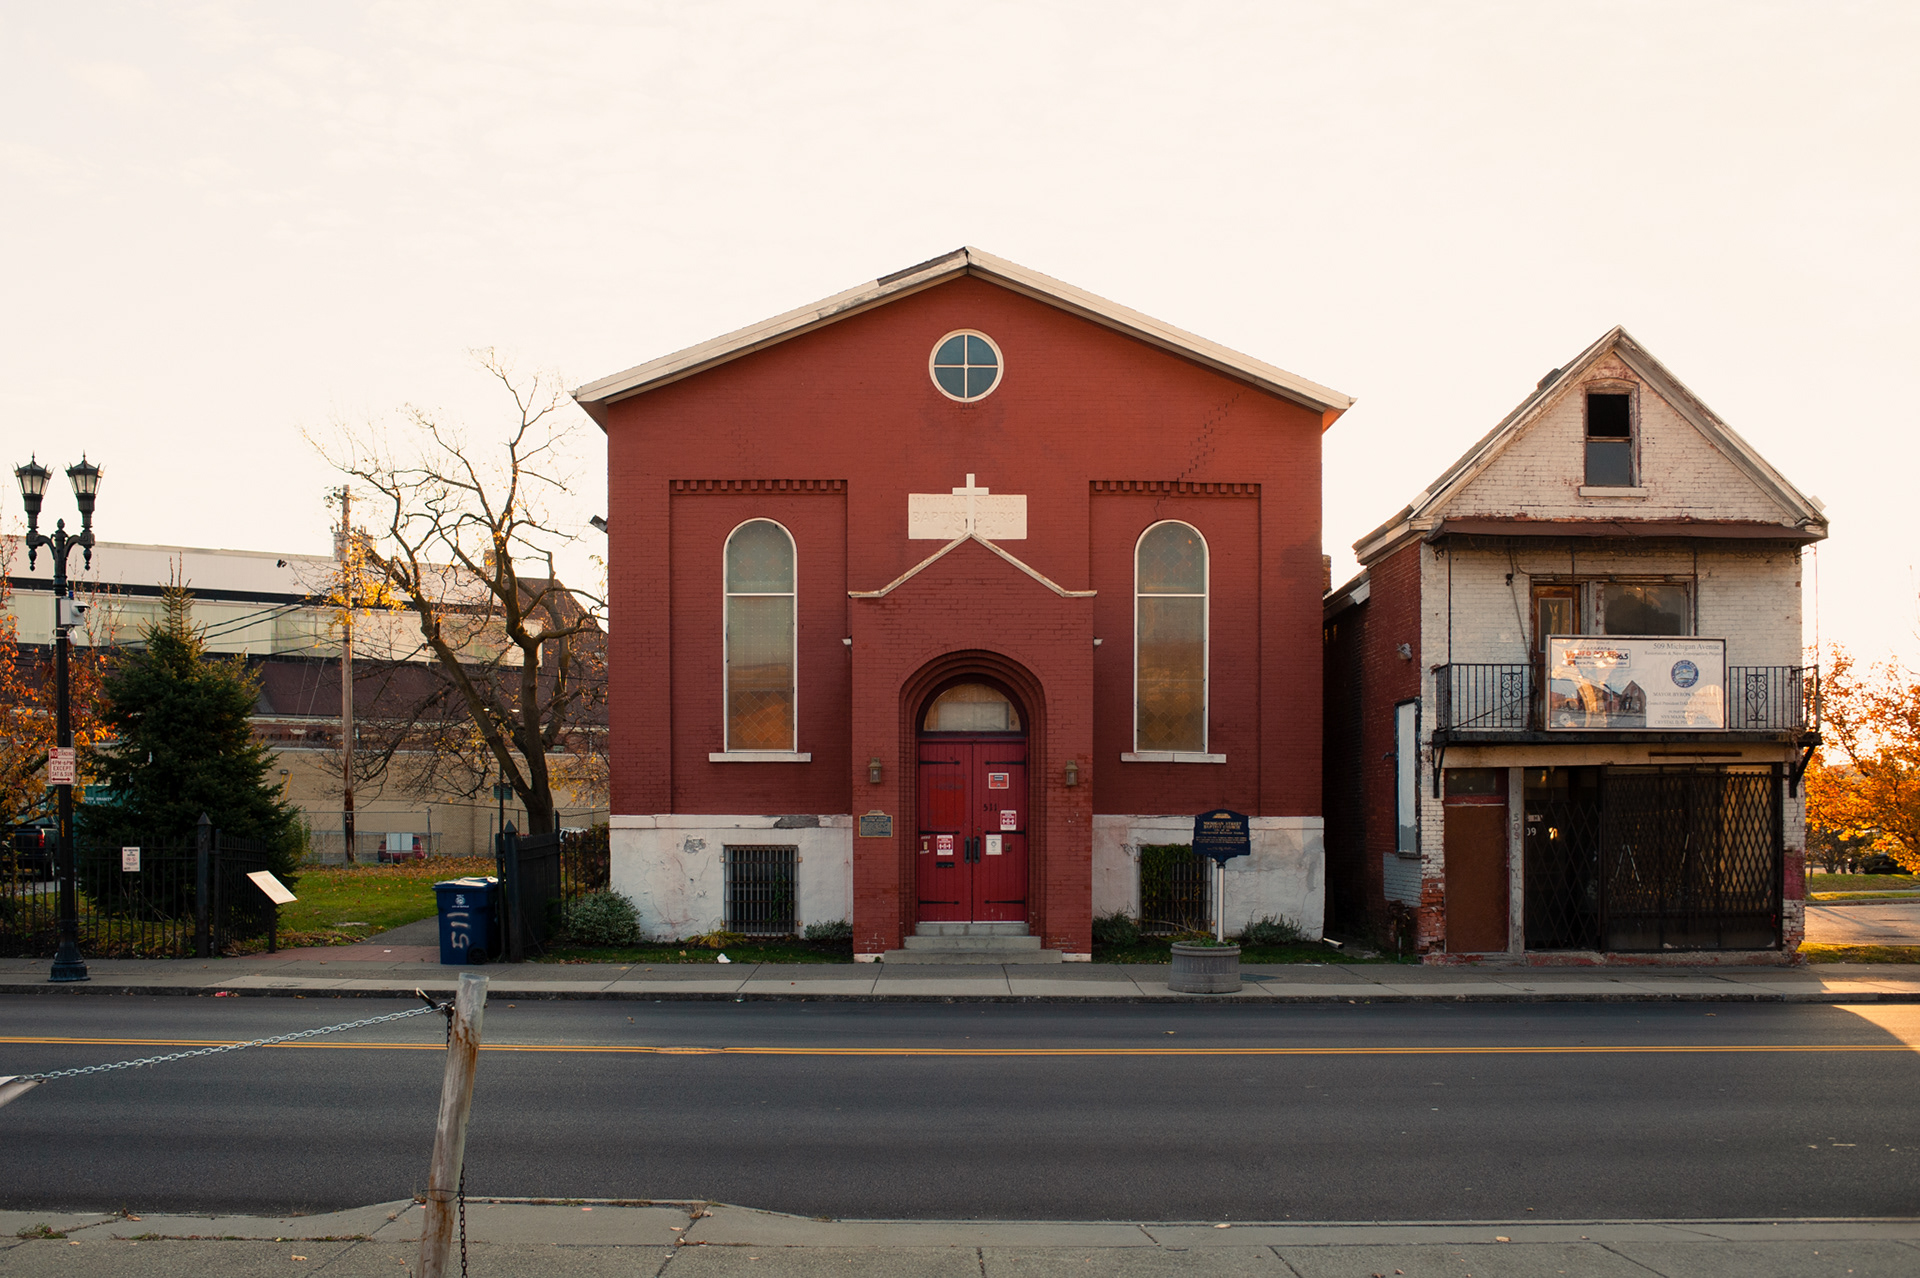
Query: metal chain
461,1194
228,1047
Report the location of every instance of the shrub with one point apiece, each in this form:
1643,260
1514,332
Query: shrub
1272,931
837,930
718,939
601,918
1116,930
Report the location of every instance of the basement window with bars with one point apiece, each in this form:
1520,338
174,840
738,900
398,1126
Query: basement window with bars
761,889
1175,890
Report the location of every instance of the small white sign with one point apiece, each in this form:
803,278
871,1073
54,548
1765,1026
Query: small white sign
942,517
943,845
276,890
1009,818
130,860
993,844
60,765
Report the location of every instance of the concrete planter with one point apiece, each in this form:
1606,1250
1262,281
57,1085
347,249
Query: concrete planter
1205,969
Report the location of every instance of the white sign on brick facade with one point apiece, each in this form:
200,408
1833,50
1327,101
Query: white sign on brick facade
971,508
1624,681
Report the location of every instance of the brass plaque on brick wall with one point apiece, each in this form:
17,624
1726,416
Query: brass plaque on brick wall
876,825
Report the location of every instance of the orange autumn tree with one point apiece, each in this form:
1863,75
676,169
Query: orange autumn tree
26,705
1865,789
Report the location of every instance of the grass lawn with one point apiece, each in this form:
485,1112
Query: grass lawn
1156,950
771,950
797,951
1861,953
376,897
1860,882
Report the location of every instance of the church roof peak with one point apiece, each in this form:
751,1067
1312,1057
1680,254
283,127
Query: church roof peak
597,396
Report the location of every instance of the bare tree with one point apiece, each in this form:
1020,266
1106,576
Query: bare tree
466,542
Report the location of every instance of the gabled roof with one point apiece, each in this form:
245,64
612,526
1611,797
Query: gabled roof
1800,517
596,397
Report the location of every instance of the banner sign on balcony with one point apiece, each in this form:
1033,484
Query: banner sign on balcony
1652,683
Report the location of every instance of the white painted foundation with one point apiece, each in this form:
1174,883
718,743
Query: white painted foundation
1286,876
670,866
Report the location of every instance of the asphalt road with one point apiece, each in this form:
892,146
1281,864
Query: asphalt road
1397,1112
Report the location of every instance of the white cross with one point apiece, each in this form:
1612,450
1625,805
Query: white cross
970,492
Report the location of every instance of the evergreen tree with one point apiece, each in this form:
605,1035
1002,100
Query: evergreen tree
181,744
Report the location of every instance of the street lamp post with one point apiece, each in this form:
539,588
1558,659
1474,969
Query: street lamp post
67,964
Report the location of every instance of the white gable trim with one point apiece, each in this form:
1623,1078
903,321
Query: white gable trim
947,549
597,396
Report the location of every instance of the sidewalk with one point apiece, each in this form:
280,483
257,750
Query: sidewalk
697,1240
399,973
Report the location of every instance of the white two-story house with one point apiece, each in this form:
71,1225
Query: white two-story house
1567,704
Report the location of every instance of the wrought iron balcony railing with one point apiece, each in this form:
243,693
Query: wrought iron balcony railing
1493,697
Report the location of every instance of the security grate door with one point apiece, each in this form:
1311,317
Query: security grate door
1652,859
761,890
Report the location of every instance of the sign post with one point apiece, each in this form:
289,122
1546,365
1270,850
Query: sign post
1221,835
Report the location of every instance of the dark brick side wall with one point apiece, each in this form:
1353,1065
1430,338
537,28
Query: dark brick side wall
1366,678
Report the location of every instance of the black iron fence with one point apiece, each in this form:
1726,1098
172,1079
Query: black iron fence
1176,890
1484,698
1503,697
761,891
163,899
538,875
585,864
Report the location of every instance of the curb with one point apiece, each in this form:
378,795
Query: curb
709,996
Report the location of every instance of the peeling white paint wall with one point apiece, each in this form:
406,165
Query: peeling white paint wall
670,866
1285,877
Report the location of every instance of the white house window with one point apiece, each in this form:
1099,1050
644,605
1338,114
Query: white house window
1644,607
965,365
760,637
1609,441
1170,640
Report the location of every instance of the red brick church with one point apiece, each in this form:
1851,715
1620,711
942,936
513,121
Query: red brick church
937,601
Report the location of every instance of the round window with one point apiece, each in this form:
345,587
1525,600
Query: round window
965,365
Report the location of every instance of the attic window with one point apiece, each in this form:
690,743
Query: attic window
1609,441
965,365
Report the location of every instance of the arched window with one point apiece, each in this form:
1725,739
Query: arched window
760,637
971,707
1170,640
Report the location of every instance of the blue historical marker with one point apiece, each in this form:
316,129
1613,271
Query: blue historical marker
1221,835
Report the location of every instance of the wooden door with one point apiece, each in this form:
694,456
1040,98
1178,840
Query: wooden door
1000,858
1474,844
970,864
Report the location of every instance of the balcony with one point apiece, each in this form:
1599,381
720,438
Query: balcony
1488,702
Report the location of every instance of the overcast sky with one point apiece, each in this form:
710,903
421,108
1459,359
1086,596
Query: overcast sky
224,223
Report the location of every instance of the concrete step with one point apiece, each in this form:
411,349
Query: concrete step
963,944
970,929
970,956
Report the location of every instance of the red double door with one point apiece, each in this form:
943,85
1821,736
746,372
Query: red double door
971,862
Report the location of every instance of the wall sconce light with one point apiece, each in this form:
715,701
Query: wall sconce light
873,772
1073,772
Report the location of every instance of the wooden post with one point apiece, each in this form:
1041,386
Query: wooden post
450,1136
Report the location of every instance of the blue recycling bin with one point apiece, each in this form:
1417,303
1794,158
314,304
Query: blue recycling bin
466,919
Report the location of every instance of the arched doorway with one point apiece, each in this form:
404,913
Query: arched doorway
970,862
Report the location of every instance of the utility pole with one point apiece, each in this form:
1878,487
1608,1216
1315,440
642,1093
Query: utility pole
344,549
